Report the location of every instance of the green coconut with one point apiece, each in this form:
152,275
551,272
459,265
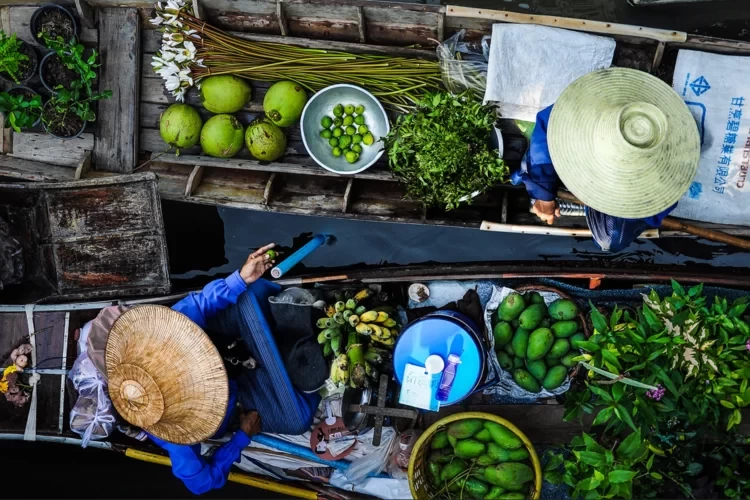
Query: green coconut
265,140
284,103
222,136
225,93
180,126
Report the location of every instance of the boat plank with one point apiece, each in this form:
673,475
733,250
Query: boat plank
18,168
20,19
49,348
53,150
153,91
150,140
116,147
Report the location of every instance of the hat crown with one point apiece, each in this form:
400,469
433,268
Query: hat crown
641,125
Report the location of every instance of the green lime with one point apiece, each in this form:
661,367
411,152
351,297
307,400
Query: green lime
349,109
357,148
350,130
337,122
345,140
333,142
362,129
359,109
337,151
359,120
348,120
326,122
337,132
271,254
351,156
368,139
338,110
356,138
325,134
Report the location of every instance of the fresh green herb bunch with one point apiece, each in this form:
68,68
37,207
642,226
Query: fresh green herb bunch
71,55
10,56
441,151
20,111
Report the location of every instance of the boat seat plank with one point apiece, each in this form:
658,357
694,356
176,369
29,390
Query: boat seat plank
18,168
20,18
116,148
49,348
53,150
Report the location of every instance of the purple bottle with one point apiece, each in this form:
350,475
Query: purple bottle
449,375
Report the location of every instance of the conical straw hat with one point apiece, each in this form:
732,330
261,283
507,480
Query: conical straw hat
623,142
165,375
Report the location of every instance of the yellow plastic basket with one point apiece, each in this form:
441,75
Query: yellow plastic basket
418,474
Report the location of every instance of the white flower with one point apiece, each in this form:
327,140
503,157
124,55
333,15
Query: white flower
179,94
186,53
156,21
199,62
167,55
184,76
172,82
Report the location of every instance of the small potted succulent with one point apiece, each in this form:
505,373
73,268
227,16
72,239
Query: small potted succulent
66,113
18,59
22,107
53,21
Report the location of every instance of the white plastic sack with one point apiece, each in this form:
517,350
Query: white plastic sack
506,386
92,416
530,66
716,88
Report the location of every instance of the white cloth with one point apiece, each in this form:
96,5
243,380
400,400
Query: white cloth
530,65
716,88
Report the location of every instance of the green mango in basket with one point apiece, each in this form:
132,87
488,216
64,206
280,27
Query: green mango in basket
532,316
503,436
564,329
563,309
511,307
510,475
465,428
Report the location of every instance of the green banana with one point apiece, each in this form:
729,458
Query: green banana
351,304
327,349
339,306
322,337
354,320
347,314
322,323
390,323
329,333
336,344
360,310
339,318
373,357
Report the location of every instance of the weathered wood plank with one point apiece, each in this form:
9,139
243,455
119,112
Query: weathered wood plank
20,17
196,176
28,170
86,14
83,167
45,148
116,148
49,347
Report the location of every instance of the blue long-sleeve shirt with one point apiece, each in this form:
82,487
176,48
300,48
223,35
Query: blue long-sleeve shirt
538,175
201,474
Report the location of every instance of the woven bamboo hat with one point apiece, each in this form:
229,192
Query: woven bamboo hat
165,375
623,142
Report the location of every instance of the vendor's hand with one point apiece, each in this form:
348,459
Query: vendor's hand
250,423
257,264
546,210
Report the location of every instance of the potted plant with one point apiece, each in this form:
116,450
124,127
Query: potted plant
66,113
66,64
22,107
53,21
18,59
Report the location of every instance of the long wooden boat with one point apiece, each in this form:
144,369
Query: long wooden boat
84,240
127,132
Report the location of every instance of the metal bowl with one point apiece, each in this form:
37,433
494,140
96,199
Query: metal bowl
320,105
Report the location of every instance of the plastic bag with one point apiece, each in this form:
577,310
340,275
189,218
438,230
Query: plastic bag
464,66
376,459
398,462
92,417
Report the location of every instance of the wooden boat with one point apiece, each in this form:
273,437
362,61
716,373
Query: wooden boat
295,184
86,239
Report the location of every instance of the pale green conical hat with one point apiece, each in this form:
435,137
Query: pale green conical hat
623,142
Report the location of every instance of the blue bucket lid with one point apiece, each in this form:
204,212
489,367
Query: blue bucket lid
442,336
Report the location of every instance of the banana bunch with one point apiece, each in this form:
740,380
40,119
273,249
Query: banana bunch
340,370
340,316
378,326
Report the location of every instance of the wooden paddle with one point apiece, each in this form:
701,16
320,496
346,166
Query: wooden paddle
674,224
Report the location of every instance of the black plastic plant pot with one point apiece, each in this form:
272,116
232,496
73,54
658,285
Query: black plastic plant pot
31,66
46,17
42,71
59,136
22,88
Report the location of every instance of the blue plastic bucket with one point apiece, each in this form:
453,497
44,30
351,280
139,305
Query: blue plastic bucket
443,333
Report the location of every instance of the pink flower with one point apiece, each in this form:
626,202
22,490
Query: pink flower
747,345
656,394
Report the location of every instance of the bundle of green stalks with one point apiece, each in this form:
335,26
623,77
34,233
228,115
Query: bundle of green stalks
398,82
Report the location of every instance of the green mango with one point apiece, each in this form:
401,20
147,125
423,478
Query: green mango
494,493
555,377
509,349
563,309
452,440
453,469
551,361
537,368
533,298
567,360
506,363
511,307
564,329
520,342
526,381
462,429
469,448
483,436
442,456
500,454
532,316
578,337
559,349
439,440
540,342
503,436
476,488
518,362
434,469
512,495
502,333
486,459
510,475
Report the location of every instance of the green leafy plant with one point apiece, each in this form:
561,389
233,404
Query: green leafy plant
71,54
20,111
441,150
66,104
675,373
11,58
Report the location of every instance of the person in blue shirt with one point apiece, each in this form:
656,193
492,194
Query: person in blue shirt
198,473
537,174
